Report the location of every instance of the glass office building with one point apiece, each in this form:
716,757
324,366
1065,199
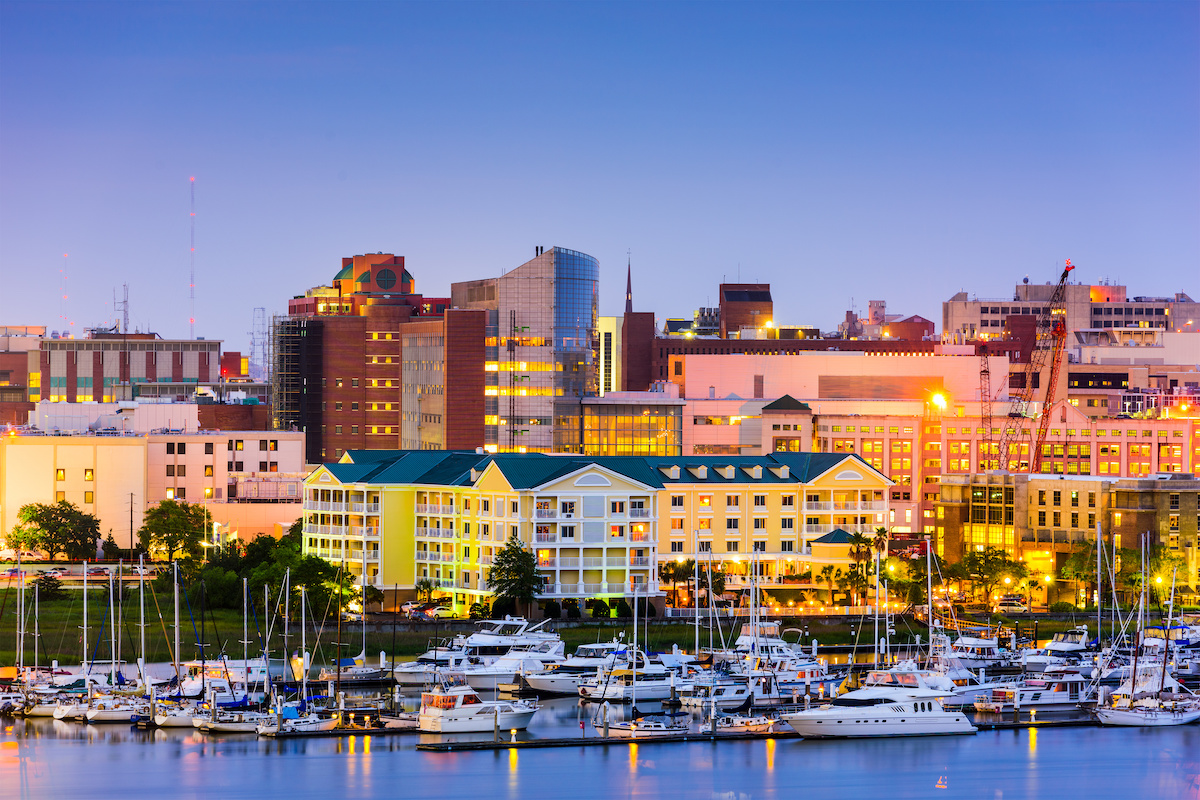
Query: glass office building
542,349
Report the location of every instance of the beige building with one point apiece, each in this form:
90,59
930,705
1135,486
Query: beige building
250,481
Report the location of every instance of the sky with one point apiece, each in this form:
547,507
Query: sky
842,152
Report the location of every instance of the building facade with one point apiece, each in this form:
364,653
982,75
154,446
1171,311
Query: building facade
542,349
598,526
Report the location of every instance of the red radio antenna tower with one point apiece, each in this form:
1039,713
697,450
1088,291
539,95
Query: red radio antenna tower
192,266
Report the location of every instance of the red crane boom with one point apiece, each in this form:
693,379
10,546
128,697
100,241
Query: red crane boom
1051,333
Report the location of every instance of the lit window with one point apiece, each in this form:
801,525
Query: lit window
88,475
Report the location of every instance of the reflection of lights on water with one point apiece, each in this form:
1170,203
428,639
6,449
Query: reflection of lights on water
770,754
633,756
1033,741
512,759
351,745
366,745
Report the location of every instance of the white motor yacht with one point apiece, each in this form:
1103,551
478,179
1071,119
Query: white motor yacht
740,723
230,721
564,677
648,681
456,708
1056,689
879,711
448,655
495,638
522,659
1066,647
975,653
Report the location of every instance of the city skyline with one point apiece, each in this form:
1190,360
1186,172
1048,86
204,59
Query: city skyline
868,152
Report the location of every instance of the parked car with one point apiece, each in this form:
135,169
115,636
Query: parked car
146,571
418,611
101,572
439,612
53,572
13,572
1011,604
411,606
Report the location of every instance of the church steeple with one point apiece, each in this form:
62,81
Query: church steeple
629,287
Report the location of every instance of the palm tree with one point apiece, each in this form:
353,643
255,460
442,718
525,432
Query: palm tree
674,571
425,589
830,575
880,543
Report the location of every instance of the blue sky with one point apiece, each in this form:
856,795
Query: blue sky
837,150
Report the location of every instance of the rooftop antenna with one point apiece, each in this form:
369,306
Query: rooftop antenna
123,306
192,267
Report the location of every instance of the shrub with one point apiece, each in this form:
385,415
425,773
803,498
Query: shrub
551,609
600,610
480,611
50,588
504,607
623,609
572,609
1062,607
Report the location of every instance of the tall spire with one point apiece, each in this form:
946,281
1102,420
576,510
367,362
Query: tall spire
629,285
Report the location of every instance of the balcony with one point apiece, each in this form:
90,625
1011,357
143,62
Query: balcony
545,537
819,530
546,563
640,536
434,508
639,513
364,532
871,505
571,562
363,508
484,561
545,513
435,533
639,561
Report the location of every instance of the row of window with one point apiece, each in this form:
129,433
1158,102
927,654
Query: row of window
1075,518
733,547
89,474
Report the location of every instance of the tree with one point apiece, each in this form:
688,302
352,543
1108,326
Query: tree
1080,567
175,527
830,575
514,573
860,547
50,588
424,589
711,580
110,547
673,572
59,528
990,566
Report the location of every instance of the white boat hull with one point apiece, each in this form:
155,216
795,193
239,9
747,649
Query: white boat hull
1147,717
871,721
123,714
631,730
477,719
174,720
312,724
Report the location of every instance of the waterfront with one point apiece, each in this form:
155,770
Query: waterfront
42,758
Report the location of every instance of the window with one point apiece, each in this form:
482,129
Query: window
60,474
208,448
760,547
1074,519
238,444
515,507
760,499
337,428
88,475
787,547
208,470
788,501
354,383
676,501
181,471
732,500
337,406
731,524
677,524
262,466
731,547
485,506
760,524
1074,499
170,470
705,547
1058,519
354,406
1091,499
181,493
676,547
170,448
566,531
239,466
1057,498
787,524
1042,519
89,497
208,492
704,524
181,448
1041,497
617,507
273,444
60,496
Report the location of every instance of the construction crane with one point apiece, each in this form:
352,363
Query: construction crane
985,411
1051,338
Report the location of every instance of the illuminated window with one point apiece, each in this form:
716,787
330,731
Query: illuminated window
88,475
89,497
60,474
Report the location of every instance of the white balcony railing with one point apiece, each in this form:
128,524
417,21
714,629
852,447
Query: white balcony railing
434,508
639,513
545,513
568,563
545,537
822,506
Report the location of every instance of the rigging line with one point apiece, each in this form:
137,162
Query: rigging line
163,623
63,638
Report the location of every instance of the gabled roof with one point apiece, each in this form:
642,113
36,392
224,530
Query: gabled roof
835,536
786,403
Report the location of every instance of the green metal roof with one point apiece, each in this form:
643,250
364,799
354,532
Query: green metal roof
347,272
835,536
530,470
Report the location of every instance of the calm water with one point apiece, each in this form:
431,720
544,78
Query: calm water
63,761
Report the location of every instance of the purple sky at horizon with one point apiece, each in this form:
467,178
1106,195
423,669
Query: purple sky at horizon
839,151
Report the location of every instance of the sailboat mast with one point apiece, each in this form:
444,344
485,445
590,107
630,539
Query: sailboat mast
303,653
929,589
1167,634
142,618
875,644
696,593
633,684
175,589
20,615
112,635
1099,589
84,643
245,632
37,630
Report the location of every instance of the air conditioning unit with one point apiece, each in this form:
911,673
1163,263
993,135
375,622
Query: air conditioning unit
567,516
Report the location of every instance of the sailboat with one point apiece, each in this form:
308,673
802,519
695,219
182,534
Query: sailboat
637,726
1150,698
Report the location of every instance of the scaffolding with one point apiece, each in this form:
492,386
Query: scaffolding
286,379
